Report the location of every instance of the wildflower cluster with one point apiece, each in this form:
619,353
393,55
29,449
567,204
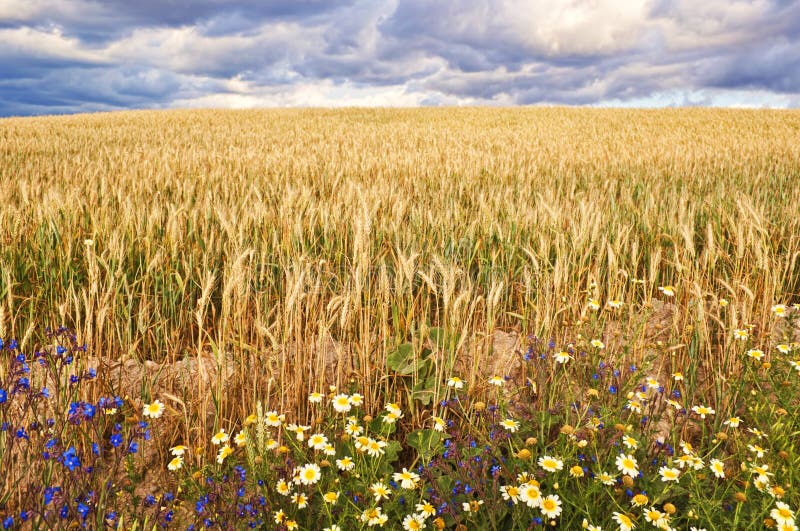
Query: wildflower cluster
60,453
584,435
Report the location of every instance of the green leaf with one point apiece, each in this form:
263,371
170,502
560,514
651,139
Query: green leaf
379,426
401,360
427,443
392,451
424,391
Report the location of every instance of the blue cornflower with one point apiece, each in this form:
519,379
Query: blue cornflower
149,500
83,510
116,440
3,396
8,522
71,460
48,494
612,389
133,447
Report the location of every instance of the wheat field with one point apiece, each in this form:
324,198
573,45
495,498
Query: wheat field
297,249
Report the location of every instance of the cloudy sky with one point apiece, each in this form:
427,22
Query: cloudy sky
63,56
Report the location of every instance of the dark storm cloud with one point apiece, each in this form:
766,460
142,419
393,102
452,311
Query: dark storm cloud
83,55
774,68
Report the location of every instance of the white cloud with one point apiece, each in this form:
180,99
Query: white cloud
39,44
558,27
245,53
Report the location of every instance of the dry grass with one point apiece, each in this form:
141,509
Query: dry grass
279,251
